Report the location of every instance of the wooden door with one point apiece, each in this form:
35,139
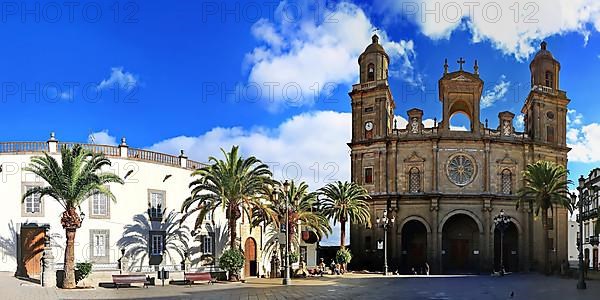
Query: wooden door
459,252
32,248
250,266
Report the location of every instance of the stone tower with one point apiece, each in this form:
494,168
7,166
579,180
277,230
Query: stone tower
545,109
372,102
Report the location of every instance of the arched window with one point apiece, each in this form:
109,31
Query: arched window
371,72
506,182
550,134
549,80
414,180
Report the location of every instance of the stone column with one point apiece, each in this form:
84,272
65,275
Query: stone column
52,144
182,160
488,236
435,239
124,264
123,148
48,272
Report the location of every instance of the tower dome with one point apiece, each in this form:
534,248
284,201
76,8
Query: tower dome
373,62
544,69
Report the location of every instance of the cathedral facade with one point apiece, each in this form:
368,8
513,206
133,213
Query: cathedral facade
442,187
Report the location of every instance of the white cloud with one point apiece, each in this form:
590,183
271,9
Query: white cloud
584,140
520,122
511,26
302,59
118,77
584,143
102,138
496,93
574,118
66,95
293,150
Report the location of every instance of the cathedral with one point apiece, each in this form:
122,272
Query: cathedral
443,188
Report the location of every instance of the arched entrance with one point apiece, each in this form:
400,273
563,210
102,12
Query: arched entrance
460,245
414,247
510,245
250,265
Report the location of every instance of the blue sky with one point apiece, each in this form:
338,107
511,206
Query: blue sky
187,75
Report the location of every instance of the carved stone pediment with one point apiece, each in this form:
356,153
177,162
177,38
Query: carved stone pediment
414,158
461,78
506,160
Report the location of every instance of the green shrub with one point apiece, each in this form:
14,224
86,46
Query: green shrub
343,256
294,257
232,261
84,269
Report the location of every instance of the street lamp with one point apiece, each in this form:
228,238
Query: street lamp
385,223
501,222
581,282
286,261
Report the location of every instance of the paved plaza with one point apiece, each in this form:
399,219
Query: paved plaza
350,286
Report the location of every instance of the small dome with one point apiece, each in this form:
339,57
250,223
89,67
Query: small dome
375,47
543,53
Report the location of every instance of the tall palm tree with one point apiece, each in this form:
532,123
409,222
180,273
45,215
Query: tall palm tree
303,211
345,202
78,177
545,187
235,184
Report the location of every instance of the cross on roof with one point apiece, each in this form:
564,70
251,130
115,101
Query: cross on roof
461,61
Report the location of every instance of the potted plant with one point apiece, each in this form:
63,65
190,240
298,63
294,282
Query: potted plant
232,261
343,257
82,272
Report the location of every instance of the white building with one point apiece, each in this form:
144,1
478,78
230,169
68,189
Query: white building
589,215
572,244
134,222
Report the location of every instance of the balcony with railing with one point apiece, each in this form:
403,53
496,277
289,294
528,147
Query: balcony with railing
23,147
369,85
435,132
548,90
121,151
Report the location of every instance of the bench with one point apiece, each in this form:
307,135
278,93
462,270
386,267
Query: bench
200,276
129,279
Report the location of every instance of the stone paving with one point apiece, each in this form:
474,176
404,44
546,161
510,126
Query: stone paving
350,286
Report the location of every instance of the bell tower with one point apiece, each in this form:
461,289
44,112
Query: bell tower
545,109
460,92
372,102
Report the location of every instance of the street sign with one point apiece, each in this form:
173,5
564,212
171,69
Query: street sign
379,245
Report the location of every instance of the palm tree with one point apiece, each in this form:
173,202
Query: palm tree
135,238
78,177
303,211
235,184
345,202
545,187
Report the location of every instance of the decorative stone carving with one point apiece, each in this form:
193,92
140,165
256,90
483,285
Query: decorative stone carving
414,125
460,169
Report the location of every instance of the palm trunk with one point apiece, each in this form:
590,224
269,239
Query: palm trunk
545,242
343,234
233,233
69,268
233,242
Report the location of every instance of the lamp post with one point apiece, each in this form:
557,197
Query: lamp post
385,223
581,282
501,222
286,260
